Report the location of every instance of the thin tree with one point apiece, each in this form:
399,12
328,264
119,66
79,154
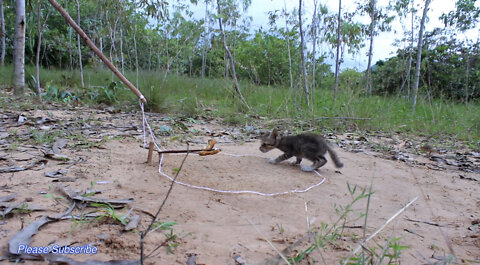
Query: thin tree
302,54
402,8
230,57
79,47
368,77
2,35
19,49
287,33
419,56
410,59
205,38
136,52
122,61
40,28
314,46
337,57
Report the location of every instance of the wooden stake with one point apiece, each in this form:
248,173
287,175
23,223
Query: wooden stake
150,153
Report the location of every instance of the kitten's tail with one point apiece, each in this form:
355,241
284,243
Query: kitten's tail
334,157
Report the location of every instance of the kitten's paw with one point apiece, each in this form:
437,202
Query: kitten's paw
272,161
307,168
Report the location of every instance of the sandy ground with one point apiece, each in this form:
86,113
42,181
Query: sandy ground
218,226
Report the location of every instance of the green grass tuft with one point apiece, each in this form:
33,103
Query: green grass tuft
195,96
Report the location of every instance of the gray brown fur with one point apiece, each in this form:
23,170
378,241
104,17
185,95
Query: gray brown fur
310,146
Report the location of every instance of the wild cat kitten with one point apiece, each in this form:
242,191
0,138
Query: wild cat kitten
309,146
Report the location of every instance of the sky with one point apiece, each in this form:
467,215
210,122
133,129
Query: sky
383,43
383,47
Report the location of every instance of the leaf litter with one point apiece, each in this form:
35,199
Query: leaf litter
92,131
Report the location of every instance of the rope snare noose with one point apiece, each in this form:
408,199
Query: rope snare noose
146,126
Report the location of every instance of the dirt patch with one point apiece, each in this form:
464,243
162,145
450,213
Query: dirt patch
217,226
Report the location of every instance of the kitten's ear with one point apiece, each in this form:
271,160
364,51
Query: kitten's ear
274,133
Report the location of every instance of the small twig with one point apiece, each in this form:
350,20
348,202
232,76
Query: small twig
354,226
206,150
342,118
378,231
164,243
412,232
149,228
423,222
183,151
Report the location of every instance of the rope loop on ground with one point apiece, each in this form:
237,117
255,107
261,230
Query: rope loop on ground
146,127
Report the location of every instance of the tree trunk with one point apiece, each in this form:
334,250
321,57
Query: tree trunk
409,67
39,46
70,48
337,60
225,62
150,54
121,51
19,49
79,46
467,75
205,38
289,51
368,77
230,57
101,24
314,46
419,56
302,55
136,54
2,35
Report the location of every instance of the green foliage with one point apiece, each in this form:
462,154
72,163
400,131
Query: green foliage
450,70
108,211
464,17
43,137
193,97
53,92
106,95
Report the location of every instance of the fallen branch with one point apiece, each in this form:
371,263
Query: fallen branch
12,169
24,236
77,197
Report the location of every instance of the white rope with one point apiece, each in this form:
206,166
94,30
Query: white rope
147,125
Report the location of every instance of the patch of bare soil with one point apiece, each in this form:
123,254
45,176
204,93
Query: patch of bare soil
218,226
